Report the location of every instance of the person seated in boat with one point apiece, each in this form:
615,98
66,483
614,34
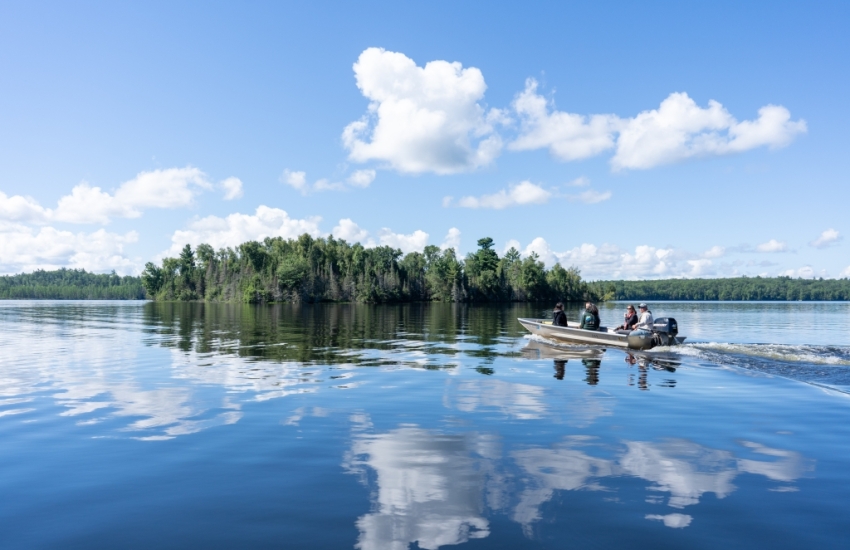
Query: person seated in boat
645,320
630,319
559,318
590,317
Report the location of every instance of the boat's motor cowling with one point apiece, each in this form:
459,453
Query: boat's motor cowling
665,330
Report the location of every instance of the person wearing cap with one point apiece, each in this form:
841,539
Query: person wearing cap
645,320
630,319
559,318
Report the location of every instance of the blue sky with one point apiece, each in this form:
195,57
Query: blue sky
659,139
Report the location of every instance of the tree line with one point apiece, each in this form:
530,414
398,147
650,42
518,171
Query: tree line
310,269
70,284
732,289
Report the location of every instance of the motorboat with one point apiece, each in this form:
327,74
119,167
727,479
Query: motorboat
665,332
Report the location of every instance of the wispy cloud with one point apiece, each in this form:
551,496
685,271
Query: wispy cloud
581,181
827,238
591,196
522,193
232,188
298,181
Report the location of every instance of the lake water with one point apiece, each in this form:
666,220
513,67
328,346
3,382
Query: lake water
145,425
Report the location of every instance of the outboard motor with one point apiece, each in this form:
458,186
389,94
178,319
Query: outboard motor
664,331
640,339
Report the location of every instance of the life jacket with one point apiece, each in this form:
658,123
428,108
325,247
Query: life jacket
591,321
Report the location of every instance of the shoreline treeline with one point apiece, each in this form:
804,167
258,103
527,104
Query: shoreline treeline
310,269
70,284
732,289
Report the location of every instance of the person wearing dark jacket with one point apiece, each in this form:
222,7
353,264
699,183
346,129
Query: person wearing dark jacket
559,318
630,319
590,317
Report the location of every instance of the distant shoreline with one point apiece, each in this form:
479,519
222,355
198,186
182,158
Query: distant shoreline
733,289
73,284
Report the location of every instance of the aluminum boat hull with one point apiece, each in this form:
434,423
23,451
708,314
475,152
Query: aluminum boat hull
574,335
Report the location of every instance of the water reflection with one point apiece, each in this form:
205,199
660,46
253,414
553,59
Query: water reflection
434,488
681,468
514,400
204,361
504,434
430,487
591,361
417,335
158,371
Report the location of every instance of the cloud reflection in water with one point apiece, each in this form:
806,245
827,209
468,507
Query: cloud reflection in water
433,488
430,489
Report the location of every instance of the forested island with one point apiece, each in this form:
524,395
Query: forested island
310,269
70,284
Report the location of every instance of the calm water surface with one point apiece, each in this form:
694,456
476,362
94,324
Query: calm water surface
143,425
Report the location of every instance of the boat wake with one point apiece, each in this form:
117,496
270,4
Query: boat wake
821,365
816,355
815,364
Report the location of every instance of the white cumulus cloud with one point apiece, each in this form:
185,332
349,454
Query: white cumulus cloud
520,194
168,188
828,237
568,136
452,240
413,242
22,209
680,129
512,243
772,246
421,119
349,231
237,228
24,249
608,261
